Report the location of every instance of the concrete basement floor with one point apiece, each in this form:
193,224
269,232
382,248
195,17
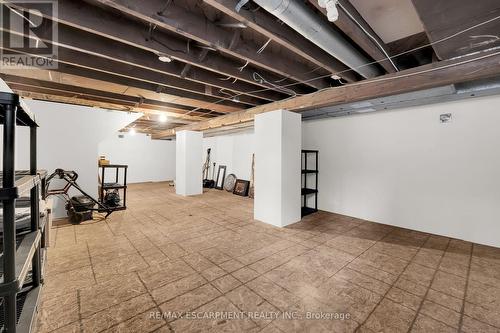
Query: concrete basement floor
206,257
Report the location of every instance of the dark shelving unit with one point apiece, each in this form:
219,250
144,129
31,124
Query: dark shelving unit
307,188
116,185
21,260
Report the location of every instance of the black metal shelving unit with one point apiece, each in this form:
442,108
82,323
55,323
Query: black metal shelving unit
21,260
116,185
307,189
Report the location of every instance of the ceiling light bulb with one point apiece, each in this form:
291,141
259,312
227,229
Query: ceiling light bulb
164,58
336,77
163,118
132,131
333,15
332,11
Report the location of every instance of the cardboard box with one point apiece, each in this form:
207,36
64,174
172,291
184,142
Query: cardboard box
103,161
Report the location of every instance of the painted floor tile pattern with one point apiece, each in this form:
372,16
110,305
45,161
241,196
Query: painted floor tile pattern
202,264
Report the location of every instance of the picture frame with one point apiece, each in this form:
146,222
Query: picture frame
221,175
241,187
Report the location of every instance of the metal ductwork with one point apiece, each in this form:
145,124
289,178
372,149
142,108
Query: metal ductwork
449,93
302,19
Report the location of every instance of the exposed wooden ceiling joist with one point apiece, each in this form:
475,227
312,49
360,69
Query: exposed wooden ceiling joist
133,64
73,62
44,87
79,40
172,85
151,125
424,77
270,27
92,101
135,34
174,103
444,18
358,31
190,25
238,128
75,100
421,52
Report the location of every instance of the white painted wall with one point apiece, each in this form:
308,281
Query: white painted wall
232,150
405,168
148,160
277,168
189,148
68,138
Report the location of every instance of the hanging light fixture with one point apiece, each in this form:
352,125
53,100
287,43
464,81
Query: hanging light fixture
164,58
331,9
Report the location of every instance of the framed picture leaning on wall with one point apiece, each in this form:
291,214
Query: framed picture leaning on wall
241,187
221,175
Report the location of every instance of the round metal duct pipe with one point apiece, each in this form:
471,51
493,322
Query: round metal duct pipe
302,19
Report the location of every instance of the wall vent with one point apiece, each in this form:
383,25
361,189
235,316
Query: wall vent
445,118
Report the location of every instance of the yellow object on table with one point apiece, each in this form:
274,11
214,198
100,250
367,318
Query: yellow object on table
103,161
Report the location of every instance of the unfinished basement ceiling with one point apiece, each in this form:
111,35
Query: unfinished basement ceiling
443,18
152,124
196,61
391,19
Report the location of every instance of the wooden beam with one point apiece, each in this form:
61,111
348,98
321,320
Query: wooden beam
70,97
106,56
149,126
444,18
349,26
408,43
73,62
96,45
84,81
425,77
421,56
83,16
58,89
227,130
50,97
190,25
269,26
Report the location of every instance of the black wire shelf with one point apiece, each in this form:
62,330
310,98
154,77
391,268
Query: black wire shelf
308,190
21,258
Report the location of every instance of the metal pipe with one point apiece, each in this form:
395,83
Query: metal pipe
125,189
9,223
35,208
33,171
303,20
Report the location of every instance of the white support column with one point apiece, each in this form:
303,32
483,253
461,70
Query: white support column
278,142
188,163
